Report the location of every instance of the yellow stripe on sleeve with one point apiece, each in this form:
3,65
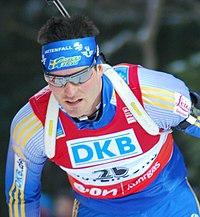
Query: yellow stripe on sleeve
11,200
28,136
24,129
158,104
162,98
22,204
16,193
21,123
158,97
16,210
158,90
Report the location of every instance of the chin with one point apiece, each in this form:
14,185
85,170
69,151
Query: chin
74,115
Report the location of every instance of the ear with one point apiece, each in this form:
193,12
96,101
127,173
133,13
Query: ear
100,68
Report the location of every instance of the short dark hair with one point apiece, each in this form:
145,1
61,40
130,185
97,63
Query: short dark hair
61,28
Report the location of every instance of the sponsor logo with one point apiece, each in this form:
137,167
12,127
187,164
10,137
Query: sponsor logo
20,172
116,174
101,149
146,176
94,191
88,53
104,191
63,62
78,46
58,49
129,117
182,105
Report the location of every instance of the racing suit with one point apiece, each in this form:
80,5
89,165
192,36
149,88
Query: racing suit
114,166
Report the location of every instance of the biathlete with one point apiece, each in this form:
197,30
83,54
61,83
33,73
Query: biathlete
116,165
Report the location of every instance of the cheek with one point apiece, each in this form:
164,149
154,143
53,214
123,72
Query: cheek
51,87
56,90
93,85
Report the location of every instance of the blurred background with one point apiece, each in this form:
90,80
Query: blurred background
159,34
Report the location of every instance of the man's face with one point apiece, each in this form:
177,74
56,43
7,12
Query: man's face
79,99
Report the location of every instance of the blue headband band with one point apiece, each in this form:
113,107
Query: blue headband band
66,54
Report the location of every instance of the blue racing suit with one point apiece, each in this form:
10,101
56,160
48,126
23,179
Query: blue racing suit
114,166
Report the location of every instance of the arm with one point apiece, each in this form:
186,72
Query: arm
167,100
25,161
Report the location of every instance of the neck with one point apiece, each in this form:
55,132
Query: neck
91,117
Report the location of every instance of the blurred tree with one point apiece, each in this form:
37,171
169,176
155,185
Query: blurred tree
158,34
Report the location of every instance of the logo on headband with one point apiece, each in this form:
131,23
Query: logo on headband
67,54
88,53
63,62
78,46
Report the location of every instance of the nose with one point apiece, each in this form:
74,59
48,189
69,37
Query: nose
70,89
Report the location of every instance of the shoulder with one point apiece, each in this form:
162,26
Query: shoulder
40,96
126,71
164,88
39,103
160,80
26,130
25,122
166,98
23,115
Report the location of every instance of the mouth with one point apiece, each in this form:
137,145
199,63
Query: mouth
73,102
